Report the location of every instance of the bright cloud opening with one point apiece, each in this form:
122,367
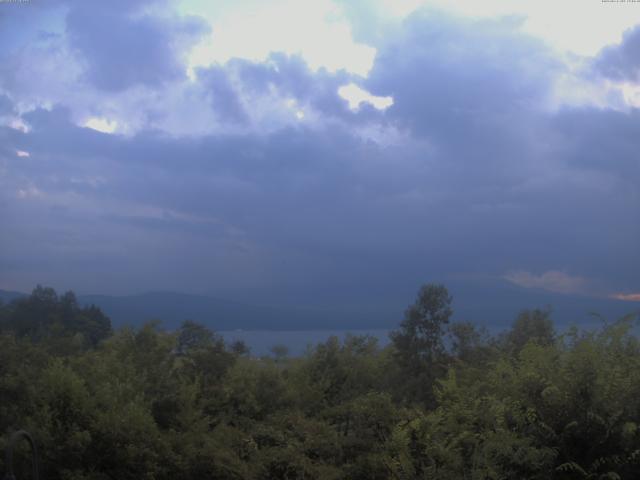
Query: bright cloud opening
593,24
101,124
356,95
20,125
318,33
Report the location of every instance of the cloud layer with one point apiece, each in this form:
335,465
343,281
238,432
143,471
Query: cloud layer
256,178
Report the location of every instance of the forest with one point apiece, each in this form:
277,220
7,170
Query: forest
444,400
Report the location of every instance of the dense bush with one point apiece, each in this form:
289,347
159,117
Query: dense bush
136,404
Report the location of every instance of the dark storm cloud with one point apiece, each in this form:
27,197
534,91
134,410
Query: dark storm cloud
121,47
526,182
622,61
229,89
451,77
602,140
291,77
222,95
470,90
600,148
481,179
287,162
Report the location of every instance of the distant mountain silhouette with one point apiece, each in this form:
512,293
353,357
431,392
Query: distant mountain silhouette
172,308
7,296
493,304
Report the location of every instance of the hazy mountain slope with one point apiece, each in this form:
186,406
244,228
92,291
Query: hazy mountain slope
7,296
172,308
493,305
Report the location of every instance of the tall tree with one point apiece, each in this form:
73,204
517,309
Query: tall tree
419,344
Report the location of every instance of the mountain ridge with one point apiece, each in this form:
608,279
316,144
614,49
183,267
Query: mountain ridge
492,306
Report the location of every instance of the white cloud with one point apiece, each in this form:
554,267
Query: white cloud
356,95
552,281
20,125
570,25
253,30
29,192
320,32
627,297
101,124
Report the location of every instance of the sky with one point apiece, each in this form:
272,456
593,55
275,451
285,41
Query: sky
320,152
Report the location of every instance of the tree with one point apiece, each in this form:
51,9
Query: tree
530,326
240,348
468,343
93,324
193,336
43,315
280,352
419,342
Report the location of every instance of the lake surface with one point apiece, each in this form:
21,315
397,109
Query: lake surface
261,341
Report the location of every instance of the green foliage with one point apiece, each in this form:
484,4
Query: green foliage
419,343
58,320
149,404
530,326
